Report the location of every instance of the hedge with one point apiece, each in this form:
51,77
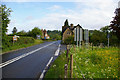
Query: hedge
8,41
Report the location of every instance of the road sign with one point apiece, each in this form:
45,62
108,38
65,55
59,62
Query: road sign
14,38
38,36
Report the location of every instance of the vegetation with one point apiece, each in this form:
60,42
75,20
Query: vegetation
23,42
5,21
14,30
54,35
101,36
34,32
96,63
69,40
57,68
115,24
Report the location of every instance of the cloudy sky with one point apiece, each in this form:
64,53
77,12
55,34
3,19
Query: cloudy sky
50,15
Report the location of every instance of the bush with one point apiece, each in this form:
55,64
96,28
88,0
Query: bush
69,40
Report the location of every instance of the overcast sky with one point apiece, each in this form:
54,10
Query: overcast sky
90,14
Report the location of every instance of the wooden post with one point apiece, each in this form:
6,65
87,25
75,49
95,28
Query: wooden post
71,65
67,53
65,67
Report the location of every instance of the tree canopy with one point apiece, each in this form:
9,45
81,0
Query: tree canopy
14,30
34,32
115,24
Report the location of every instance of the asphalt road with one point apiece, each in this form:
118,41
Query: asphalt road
31,65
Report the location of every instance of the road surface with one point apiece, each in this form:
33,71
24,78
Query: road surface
30,62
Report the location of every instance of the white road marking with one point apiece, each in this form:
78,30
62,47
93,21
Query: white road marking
22,56
56,54
57,51
42,75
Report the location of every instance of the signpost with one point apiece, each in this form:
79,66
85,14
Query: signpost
38,36
15,38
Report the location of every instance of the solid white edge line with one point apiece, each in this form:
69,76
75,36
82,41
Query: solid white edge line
22,56
57,51
42,75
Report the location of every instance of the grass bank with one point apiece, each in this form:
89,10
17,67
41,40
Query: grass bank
15,47
96,63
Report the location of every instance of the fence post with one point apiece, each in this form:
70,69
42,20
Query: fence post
65,67
71,65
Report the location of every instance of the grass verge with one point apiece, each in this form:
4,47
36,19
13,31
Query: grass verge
57,68
16,47
96,63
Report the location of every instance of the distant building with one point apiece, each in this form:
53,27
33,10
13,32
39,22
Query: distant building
44,34
68,30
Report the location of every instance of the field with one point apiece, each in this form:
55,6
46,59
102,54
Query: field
88,63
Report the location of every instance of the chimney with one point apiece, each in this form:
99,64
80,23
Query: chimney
71,26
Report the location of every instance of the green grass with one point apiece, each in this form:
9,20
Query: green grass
57,68
96,63
15,47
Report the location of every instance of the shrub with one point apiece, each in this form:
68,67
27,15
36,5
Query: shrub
69,40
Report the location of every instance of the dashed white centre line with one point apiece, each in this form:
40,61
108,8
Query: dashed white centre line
22,56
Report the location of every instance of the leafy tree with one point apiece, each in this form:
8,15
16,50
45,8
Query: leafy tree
54,35
34,32
105,29
115,24
5,21
14,30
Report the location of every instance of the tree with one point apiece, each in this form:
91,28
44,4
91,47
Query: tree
105,29
115,24
34,32
14,30
5,21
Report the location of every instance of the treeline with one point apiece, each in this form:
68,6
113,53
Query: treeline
101,36
55,34
31,33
